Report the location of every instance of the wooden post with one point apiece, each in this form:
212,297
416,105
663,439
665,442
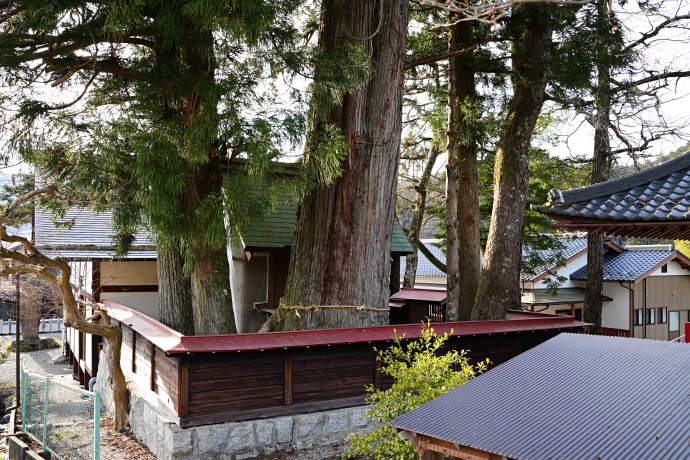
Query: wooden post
183,387
377,372
287,378
134,351
153,366
572,309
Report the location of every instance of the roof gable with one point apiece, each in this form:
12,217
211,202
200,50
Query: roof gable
633,265
605,397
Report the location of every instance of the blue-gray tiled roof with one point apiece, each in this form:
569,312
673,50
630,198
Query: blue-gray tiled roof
659,193
424,266
575,396
628,266
89,237
570,248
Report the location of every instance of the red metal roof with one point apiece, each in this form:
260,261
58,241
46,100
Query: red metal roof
430,295
172,341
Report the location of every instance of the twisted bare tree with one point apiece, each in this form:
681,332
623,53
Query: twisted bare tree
29,260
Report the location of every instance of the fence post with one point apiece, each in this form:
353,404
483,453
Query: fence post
23,384
45,415
97,426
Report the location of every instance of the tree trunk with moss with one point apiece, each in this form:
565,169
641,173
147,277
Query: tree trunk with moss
341,248
499,283
210,274
462,207
421,188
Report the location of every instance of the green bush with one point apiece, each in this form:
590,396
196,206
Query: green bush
420,375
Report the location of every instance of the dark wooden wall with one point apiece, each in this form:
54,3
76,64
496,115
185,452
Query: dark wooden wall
207,388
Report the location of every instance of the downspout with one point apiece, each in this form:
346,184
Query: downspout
631,307
644,311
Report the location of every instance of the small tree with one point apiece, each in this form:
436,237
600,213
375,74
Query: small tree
420,376
56,271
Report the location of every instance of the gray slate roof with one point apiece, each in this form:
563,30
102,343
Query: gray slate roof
628,266
659,193
575,396
424,266
571,247
88,238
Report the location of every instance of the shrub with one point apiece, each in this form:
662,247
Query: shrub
420,375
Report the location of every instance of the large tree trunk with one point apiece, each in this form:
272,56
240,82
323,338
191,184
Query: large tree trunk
463,195
411,260
341,248
499,284
174,292
210,276
601,171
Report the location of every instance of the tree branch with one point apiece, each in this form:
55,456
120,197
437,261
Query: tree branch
443,57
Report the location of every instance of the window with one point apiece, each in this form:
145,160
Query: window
638,317
674,321
662,314
664,269
650,316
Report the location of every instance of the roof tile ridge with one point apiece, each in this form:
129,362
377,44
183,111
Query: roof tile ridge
619,184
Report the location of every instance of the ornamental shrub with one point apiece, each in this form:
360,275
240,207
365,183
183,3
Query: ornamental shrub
420,375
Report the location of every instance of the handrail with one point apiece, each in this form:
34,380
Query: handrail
678,339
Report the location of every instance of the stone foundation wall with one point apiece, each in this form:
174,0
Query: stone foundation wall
230,441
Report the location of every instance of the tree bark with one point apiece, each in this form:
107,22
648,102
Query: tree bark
418,218
210,276
601,170
463,201
174,292
341,247
499,283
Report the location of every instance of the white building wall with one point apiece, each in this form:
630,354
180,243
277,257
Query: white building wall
566,271
616,314
673,269
143,302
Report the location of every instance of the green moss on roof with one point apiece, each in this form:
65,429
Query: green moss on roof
277,229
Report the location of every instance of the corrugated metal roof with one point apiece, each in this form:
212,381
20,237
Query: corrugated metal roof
431,295
172,341
90,231
575,396
657,194
565,296
628,266
279,225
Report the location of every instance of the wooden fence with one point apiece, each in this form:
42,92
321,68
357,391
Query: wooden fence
204,380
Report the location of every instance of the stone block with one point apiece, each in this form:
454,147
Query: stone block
308,425
357,418
337,422
284,426
212,439
264,431
242,437
180,440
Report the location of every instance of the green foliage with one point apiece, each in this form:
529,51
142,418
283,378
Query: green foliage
421,373
21,184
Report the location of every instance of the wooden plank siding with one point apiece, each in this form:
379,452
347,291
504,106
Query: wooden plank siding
206,387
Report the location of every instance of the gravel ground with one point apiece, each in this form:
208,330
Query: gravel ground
37,362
